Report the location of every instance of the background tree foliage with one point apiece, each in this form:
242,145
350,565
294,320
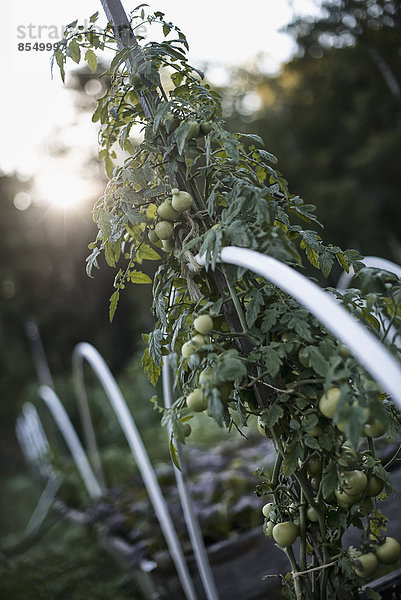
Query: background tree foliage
333,118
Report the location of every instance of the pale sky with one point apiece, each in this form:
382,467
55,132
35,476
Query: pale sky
35,108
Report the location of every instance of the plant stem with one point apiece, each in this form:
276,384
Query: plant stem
393,459
297,584
236,302
302,526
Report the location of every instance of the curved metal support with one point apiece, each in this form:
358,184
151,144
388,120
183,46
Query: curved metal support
191,520
92,356
373,355
33,440
370,261
69,434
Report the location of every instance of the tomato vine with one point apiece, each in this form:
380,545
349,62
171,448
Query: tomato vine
242,347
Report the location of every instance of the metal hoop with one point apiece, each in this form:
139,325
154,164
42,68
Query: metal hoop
85,351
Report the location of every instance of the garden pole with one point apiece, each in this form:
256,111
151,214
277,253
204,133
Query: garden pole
69,434
191,520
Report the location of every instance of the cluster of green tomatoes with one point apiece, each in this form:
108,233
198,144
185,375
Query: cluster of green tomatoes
354,486
169,212
197,400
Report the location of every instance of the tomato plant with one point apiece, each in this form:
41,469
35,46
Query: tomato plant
243,349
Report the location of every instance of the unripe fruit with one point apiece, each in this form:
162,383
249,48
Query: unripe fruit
206,127
344,351
166,211
314,466
315,483
136,80
328,402
203,324
196,401
164,230
268,529
168,245
303,357
208,377
152,236
341,425
375,429
170,122
198,340
188,348
285,533
375,486
389,552
187,429
312,514
181,201
193,130
267,509
365,565
315,431
351,488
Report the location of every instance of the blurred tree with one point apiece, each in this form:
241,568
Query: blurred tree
333,118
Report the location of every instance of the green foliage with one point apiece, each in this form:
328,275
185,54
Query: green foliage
250,364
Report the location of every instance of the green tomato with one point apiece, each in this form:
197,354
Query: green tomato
164,230
170,122
267,509
168,245
152,237
199,340
268,528
291,341
312,514
389,552
206,126
196,401
136,80
365,565
285,533
188,349
375,429
303,357
328,402
344,500
341,425
344,351
208,377
314,466
181,201
315,483
375,486
203,324
316,431
187,429
193,130
353,484
167,212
